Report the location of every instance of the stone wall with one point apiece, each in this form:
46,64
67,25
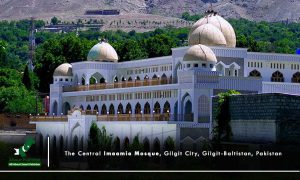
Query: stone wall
271,117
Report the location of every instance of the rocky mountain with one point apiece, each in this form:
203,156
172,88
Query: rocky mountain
268,10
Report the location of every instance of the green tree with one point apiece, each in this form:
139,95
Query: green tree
169,144
222,130
94,138
26,79
136,145
54,20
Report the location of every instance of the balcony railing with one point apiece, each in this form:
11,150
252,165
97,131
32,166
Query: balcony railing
49,118
120,117
123,84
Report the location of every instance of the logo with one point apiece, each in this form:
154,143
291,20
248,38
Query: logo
21,159
22,150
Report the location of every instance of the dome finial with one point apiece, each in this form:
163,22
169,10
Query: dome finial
100,39
211,10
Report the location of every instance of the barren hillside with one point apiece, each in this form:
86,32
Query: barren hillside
270,10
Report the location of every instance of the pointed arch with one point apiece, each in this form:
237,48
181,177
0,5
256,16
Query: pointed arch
81,107
116,79
254,73
130,79
54,108
167,107
137,78
66,108
88,108
154,77
296,77
146,77
120,109
111,109
157,108
103,109
164,79
147,109
96,109
138,108
93,80
128,109
277,76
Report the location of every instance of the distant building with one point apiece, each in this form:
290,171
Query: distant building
103,12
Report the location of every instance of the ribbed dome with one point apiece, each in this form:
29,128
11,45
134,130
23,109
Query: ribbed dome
103,52
207,34
219,22
200,53
63,70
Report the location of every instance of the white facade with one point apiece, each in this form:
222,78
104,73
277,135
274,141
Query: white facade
159,95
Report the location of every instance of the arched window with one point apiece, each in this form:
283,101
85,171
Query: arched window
66,108
138,108
88,108
146,77
157,108
146,145
81,107
93,80
96,109
120,109
147,109
126,143
128,109
103,109
277,77
116,79
111,109
137,78
167,107
129,79
254,73
164,79
154,77
116,145
296,77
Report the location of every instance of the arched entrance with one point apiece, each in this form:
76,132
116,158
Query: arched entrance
138,109
157,108
54,108
254,73
111,109
147,109
66,108
296,77
120,109
103,109
277,77
128,109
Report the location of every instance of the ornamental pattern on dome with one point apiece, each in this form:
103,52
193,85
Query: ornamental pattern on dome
103,51
63,70
200,53
217,21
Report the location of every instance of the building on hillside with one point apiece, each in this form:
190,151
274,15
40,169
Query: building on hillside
160,97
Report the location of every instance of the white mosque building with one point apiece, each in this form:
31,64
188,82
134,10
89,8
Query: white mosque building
160,97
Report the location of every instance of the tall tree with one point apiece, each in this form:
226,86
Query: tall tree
26,79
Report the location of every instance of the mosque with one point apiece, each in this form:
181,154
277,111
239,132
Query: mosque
161,97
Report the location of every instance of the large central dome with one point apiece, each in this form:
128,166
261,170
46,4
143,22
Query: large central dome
103,51
218,22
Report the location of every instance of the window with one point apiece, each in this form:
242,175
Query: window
235,72
195,65
188,65
296,77
204,65
254,73
211,65
66,79
277,77
60,79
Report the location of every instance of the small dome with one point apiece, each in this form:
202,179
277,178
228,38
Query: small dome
219,22
200,52
207,34
103,52
63,70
